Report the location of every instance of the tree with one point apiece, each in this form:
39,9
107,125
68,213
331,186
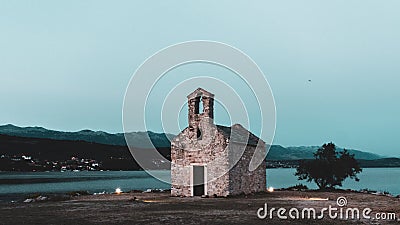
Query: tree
329,168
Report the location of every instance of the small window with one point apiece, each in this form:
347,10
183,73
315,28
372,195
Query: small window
198,134
201,108
196,105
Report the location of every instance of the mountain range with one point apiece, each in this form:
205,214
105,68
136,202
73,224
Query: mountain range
140,139
278,152
149,139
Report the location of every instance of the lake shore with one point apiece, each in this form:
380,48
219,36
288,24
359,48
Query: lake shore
156,208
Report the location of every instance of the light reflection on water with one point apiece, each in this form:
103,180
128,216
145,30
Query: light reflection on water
92,181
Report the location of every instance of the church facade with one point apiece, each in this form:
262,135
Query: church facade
213,160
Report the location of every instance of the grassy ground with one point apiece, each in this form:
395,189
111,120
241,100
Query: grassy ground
160,208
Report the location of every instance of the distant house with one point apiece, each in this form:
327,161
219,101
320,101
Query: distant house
16,159
203,155
26,157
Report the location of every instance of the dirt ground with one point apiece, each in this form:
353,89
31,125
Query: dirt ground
160,208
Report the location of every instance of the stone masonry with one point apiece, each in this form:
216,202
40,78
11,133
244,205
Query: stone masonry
224,153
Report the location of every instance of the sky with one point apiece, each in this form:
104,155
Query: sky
65,65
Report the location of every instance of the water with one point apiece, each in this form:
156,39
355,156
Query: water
92,181
378,179
12,183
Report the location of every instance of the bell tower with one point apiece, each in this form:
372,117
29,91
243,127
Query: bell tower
201,108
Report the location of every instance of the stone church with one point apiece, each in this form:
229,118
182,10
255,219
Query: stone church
213,160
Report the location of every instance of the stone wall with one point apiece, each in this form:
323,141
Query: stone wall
241,179
217,155
209,151
203,144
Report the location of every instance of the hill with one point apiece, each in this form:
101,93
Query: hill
159,140
278,152
111,152
140,139
48,154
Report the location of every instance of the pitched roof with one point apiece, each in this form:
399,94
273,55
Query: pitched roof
200,92
237,133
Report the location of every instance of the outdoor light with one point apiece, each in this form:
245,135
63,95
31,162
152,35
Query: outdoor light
318,199
270,189
118,191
